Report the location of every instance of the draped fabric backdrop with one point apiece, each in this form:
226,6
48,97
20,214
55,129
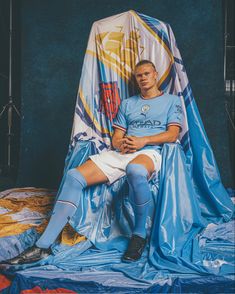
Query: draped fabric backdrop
189,193
115,45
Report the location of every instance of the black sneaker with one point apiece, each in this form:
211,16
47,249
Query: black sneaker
29,255
135,249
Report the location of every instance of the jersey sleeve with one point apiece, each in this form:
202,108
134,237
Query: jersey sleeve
175,114
120,120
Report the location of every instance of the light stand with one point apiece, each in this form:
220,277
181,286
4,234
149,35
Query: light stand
10,106
229,78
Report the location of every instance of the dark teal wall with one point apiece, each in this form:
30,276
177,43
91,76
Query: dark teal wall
54,38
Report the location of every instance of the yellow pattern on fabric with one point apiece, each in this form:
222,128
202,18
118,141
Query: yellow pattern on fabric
41,204
107,58
70,237
108,64
41,228
114,42
38,203
171,57
67,237
10,226
121,60
118,54
121,55
95,122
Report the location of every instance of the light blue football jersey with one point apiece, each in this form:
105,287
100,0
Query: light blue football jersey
146,117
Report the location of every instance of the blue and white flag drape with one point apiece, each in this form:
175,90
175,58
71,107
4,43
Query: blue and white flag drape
115,45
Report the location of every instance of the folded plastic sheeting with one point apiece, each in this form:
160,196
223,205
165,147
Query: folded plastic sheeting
188,197
181,255
105,217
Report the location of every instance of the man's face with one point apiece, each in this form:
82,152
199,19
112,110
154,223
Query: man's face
146,77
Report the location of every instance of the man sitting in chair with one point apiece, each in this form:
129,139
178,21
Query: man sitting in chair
143,123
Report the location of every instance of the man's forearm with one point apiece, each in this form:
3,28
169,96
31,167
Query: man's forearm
130,144
118,138
164,137
117,142
137,143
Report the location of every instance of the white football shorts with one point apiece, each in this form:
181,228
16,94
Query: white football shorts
113,164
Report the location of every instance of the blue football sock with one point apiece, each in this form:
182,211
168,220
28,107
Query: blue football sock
140,196
65,207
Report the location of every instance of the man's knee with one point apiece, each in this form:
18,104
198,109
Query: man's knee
137,176
136,172
73,184
73,175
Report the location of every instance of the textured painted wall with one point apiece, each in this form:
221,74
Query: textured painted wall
54,38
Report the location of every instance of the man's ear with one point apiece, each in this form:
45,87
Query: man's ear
156,75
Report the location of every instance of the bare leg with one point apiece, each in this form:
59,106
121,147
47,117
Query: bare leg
92,173
146,161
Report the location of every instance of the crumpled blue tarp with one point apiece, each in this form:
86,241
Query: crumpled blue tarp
175,221
181,256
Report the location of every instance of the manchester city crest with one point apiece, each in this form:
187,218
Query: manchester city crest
144,109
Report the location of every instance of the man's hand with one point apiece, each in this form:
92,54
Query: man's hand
127,144
120,144
132,144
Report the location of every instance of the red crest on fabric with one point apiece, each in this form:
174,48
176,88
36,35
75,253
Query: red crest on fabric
110,99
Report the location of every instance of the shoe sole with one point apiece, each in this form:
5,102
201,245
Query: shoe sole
129,260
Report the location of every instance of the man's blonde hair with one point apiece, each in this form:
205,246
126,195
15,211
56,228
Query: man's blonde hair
143,62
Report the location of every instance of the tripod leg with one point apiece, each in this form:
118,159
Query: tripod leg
16,110
4,108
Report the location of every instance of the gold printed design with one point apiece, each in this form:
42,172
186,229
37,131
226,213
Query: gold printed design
114,42
170,55
41,204
70,237
118,53
35,202
10,226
